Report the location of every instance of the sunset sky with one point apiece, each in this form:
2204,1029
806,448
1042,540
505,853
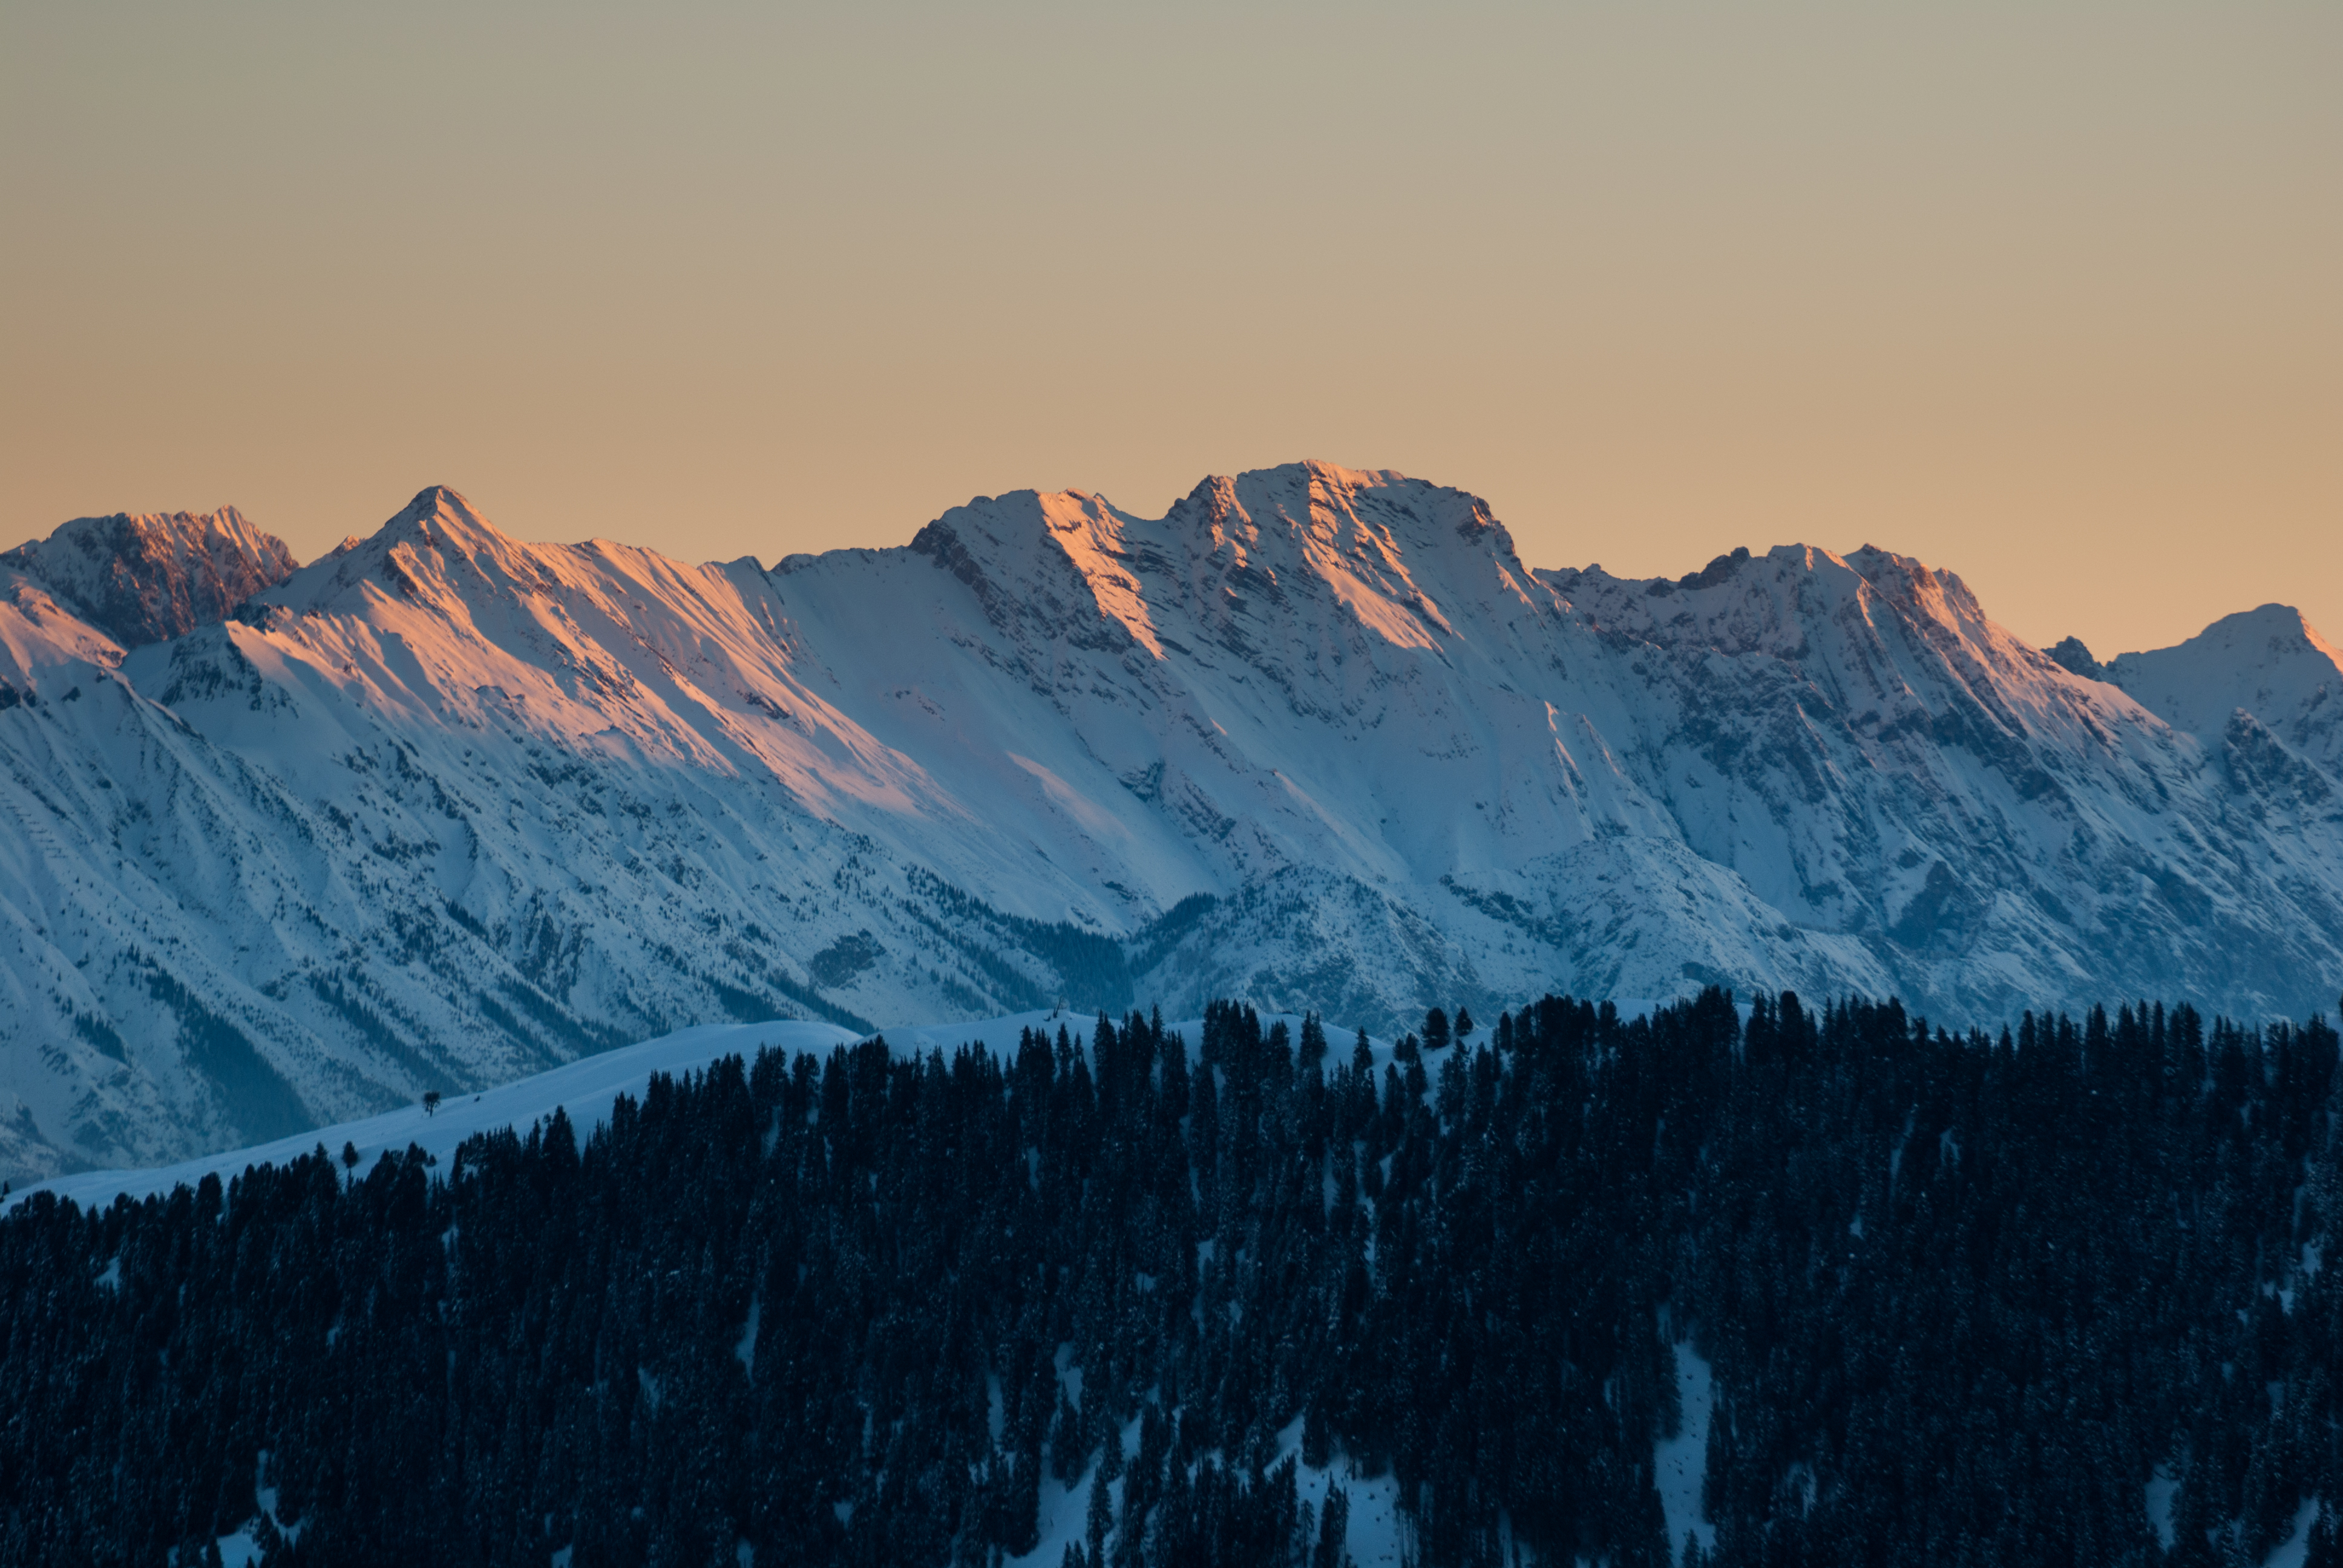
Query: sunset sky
2049,295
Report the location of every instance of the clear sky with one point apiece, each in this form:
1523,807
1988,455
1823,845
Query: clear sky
2050,294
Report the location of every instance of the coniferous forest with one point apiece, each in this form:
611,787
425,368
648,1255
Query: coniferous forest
2048,1296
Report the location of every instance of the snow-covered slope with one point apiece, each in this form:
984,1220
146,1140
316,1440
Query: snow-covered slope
444,808
2266,662
1874,755
582,1091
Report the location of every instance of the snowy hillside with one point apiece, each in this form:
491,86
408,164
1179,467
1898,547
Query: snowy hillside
442,809
583,1091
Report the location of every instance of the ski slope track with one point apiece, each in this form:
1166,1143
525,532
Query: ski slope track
287,848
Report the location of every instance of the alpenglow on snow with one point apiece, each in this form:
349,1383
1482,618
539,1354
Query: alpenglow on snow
442,809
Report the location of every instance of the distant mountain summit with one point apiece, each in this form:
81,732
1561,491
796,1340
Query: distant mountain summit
2268,663
443,808
142,578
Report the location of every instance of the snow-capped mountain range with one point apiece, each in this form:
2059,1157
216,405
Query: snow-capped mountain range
442,809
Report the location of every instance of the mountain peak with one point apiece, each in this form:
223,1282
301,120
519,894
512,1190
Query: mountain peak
1241,555
148,577
439,498
437,503
2073,656
413,553
447,805
2268,661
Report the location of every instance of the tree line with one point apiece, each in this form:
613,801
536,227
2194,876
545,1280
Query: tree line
2053,1295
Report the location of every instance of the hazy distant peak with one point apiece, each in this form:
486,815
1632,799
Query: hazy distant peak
2281,625
2267,635
2268,661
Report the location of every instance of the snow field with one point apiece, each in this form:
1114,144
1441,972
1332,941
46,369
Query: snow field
1680,1463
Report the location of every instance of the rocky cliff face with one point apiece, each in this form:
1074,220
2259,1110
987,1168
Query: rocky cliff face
445,807
145,578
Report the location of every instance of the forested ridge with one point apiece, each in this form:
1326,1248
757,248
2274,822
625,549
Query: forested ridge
2051,1296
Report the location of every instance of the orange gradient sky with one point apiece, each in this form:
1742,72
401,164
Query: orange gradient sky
2049,295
